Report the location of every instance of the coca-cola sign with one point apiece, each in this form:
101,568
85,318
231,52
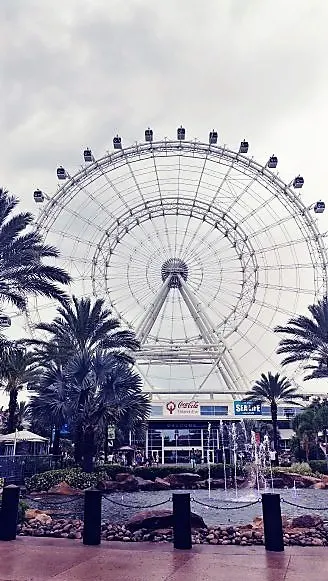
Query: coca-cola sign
182,408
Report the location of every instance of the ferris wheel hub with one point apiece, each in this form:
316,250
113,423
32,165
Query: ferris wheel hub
174,268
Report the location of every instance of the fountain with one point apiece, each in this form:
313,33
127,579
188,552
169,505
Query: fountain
234,451
223,457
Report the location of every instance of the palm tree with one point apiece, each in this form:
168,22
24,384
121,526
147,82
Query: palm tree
83,327
107,388
17,368
91,392
51,405
273,389
22,251
22,415
78,331
307,340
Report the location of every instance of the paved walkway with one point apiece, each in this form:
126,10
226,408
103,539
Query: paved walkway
36,559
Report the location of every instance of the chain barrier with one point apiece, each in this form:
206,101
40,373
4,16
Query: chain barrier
227,507
59,503
303,507
135,505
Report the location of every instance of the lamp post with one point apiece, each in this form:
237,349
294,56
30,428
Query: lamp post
209,459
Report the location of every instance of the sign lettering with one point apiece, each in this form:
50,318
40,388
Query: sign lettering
247,408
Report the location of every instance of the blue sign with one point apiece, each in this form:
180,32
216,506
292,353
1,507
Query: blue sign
247,408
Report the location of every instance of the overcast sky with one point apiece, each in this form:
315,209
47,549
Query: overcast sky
75,73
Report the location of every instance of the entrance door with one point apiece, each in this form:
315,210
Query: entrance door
181,455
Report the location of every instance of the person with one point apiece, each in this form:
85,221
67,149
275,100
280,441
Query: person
192,458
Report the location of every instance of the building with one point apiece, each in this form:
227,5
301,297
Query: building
178,429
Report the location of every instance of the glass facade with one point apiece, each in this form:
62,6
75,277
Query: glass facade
214,410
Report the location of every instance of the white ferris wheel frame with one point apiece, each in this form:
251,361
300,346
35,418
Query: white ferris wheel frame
214,350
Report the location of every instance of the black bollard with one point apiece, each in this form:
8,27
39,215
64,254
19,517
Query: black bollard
9,513
182,521
92,517
272,522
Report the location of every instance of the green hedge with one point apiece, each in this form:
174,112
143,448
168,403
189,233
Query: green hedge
152,472
81,480
319,466
73,476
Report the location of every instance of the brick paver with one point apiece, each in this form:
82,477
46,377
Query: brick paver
36,559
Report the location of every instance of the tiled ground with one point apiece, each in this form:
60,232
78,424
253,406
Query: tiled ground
33,559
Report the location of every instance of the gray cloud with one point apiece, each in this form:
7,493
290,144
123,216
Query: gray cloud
75,73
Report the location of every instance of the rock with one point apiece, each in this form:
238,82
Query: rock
145,484
64,489
300,481
129,484
38,515
107,485
182,480
44,519
277,482
159,519
122,476
258,522
317,542
161,484
306,521
320,485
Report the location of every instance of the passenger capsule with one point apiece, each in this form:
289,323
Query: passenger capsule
298,182
213,137
181,133
272,163
319,207
61,173
117,142
149,134
243,148
87,154
5,321
38,196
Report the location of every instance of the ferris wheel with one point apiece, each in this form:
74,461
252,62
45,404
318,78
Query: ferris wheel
198,248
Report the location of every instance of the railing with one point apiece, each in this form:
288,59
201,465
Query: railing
14,469
181,516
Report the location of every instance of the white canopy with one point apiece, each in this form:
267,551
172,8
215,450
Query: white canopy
23,436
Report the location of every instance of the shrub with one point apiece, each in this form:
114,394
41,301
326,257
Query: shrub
73,476
319,466
111,470
22,508
301,468
217,471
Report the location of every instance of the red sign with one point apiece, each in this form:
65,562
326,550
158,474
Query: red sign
183,408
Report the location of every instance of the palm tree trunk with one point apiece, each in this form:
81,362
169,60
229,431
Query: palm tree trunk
55,445
106,444
88,449
78,444
12,408
274,418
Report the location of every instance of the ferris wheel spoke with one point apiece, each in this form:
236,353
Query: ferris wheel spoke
278,309
275,224
285,288
256,210
254,347
164,216
181,252
238,196
74,237
129,165
213,200
79,216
